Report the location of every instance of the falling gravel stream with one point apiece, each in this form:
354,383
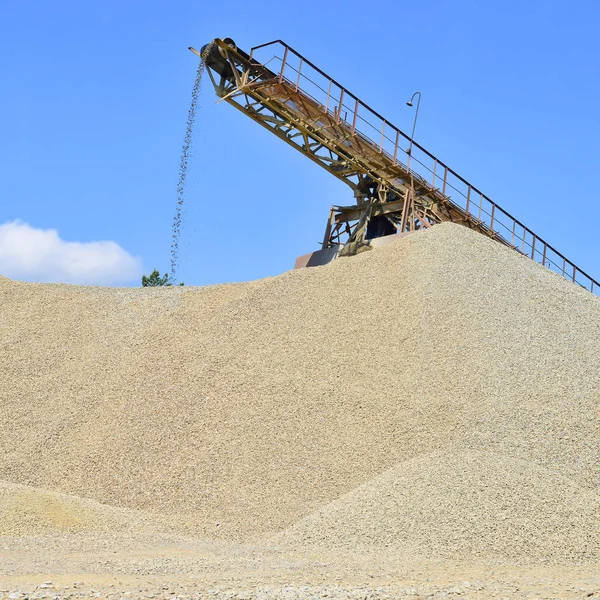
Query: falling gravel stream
183,166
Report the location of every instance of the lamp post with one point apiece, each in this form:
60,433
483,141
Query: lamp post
412,137
410,196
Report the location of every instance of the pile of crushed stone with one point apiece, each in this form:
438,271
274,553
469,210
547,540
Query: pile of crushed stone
457,503
441,392
29,511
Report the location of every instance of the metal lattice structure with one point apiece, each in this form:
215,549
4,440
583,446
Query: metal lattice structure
398,186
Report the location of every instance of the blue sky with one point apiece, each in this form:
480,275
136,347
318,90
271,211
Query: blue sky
95,97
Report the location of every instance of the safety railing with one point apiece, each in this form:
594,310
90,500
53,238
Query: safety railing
348,110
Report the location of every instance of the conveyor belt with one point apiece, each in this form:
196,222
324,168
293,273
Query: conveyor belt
392,177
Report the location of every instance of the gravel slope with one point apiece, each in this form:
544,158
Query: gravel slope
237,410
25,510
469,504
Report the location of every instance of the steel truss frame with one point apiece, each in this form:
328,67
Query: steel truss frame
282,108
408,198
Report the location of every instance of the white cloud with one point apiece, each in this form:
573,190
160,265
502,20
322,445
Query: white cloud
31,254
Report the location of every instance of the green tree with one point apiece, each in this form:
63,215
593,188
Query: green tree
154,279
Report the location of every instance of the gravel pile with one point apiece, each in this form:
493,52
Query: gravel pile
26,510
238,410
448,504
